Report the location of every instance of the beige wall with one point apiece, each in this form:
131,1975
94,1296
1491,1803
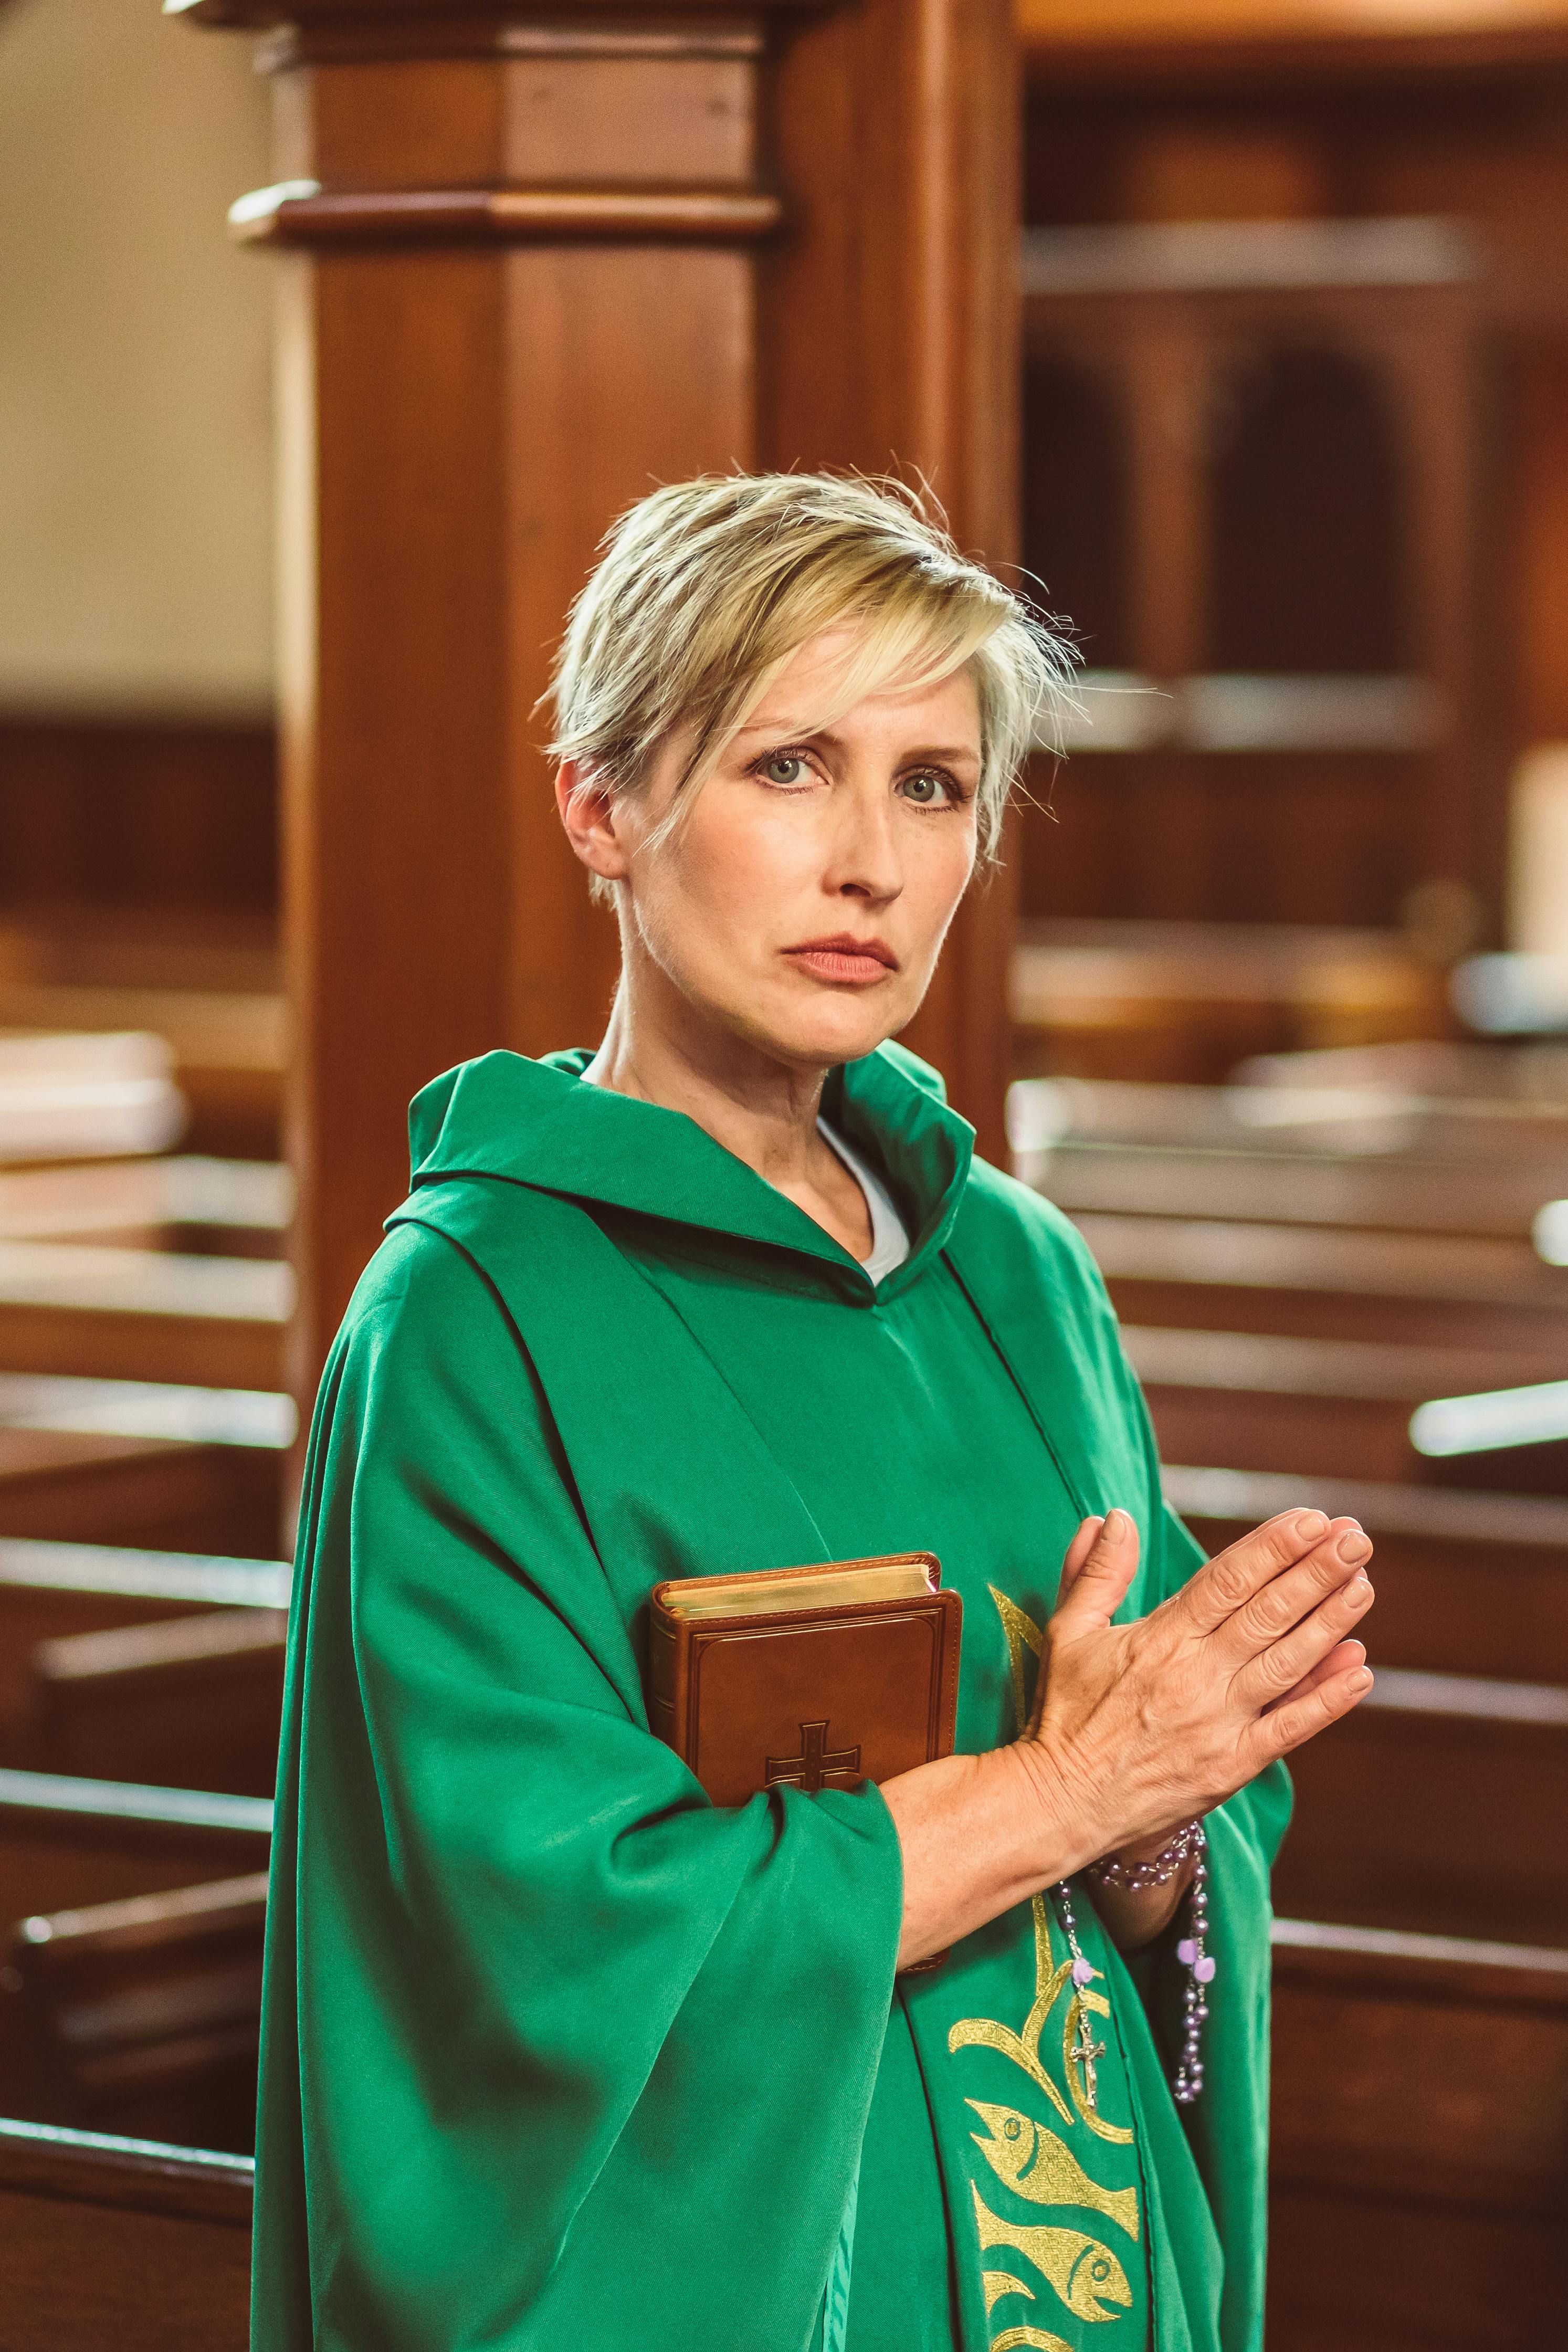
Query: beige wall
135,456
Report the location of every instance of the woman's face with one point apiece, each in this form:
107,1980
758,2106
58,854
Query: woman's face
802,902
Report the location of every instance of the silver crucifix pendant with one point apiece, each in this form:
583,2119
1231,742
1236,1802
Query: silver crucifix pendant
1085,2051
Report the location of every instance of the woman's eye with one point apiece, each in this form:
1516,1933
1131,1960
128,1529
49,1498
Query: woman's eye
784,768
927,789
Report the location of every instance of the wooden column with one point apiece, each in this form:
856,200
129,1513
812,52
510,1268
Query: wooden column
533,262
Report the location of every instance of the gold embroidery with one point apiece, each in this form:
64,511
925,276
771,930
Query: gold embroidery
1024,2153
1085,2273
996,2284
1012,2339
1022,1634
987,2032
1023,2048
1037,2165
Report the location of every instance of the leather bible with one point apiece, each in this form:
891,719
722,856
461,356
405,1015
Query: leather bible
806,1677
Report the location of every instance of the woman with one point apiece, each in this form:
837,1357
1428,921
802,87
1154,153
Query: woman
557,2054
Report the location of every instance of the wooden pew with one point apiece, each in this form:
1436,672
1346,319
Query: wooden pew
235,1208
1312,1283
1313,1122
193,1702
1438,1806
121,2242
228,1050
1494,1196
1178,1001
1419,2163
1336,1407
167,1266
71,1845
92,1486
49,1591
1467,1583
117,1313
65,1843
83,1096
144,2015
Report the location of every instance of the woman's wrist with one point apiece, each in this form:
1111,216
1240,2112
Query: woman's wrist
978,1834
1065,1817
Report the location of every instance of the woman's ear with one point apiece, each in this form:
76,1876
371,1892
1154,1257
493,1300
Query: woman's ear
589,812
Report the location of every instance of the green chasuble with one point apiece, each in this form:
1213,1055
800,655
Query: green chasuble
558,2057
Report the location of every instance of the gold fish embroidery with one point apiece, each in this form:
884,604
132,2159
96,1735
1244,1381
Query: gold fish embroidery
1012,2339
994,2285
1023,2049
1037,2165
1085,2273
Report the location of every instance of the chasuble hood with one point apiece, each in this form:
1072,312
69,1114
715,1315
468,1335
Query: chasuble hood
531,1123
556,2052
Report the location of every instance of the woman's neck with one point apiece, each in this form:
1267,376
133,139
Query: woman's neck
763,1110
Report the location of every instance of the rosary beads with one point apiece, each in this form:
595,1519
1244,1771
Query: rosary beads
1187,2080
1135,1877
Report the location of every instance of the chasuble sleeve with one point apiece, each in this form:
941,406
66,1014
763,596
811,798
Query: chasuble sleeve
556,2054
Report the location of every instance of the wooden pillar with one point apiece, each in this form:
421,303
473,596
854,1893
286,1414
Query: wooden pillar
534,261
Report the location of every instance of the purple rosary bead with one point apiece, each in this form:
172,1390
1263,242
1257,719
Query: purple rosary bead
1083,1970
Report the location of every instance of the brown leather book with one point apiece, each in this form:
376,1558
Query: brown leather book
806,1677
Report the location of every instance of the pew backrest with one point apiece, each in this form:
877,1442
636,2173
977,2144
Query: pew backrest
144,2015
185,1701
122,2242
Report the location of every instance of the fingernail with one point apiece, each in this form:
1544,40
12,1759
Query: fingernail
1116,1524
1353,1546
1312,1527
1358,1592
1362,1680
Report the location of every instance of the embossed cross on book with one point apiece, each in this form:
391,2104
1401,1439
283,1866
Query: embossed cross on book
816,1764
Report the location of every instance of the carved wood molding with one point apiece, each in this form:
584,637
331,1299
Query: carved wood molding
500,37
491,24
281,216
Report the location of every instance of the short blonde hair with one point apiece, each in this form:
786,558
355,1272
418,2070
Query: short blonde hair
706,588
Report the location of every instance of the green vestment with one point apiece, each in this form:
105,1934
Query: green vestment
557,2057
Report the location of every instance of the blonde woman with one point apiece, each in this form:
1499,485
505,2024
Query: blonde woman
558,2056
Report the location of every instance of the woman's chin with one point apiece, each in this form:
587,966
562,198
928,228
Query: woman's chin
838,1029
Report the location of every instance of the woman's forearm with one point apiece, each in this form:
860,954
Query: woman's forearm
981,1834
978,1834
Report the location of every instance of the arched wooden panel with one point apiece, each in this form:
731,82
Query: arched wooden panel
1077,506
1309,523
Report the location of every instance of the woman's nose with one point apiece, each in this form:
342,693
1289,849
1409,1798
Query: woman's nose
865,859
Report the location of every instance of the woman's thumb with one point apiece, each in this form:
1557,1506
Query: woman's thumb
1095,1579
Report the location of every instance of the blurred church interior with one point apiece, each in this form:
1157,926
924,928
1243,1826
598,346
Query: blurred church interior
1242,327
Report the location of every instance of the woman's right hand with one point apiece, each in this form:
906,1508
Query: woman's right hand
1139,1726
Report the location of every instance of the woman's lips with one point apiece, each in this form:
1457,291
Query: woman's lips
843,960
